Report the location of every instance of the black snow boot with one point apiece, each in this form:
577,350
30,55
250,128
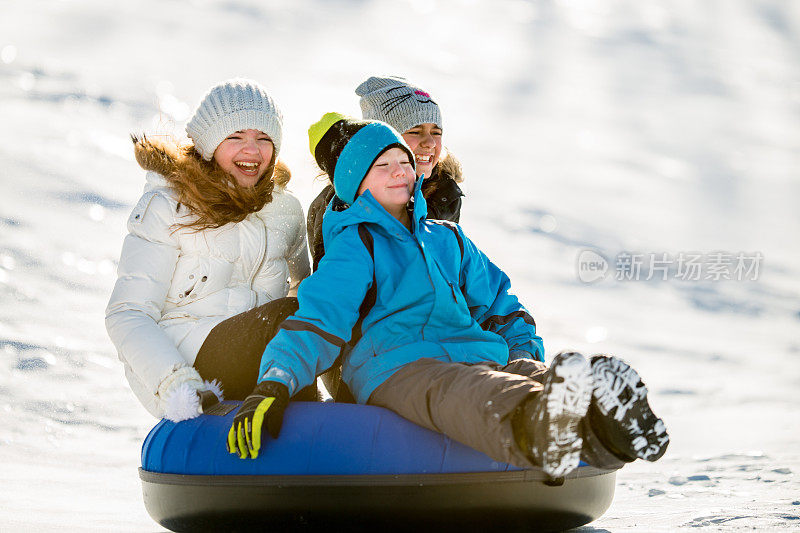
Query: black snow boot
595,453
620,416
547,424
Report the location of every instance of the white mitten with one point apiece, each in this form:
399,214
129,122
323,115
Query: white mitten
178,396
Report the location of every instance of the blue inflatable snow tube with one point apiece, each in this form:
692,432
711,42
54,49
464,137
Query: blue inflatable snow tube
359,466
316,439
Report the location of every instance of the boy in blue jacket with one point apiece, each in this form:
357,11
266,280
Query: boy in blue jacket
428,328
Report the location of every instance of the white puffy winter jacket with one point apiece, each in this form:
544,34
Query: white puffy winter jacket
174,286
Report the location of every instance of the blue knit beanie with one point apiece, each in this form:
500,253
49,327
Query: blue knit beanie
346,148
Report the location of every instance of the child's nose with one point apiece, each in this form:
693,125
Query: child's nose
250,146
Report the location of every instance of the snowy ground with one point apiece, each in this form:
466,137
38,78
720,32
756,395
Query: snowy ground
639,126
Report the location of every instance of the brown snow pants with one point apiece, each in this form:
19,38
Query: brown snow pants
232,351
472,404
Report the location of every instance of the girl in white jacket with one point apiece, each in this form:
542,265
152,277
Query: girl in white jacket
215,245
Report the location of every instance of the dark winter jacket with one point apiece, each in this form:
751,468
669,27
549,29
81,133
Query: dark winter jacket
437,295
441,191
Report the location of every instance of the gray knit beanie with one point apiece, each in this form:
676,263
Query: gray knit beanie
397,102
232,106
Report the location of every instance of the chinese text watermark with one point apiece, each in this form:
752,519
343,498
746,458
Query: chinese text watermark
682,266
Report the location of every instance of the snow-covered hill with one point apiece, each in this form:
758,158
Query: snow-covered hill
622,126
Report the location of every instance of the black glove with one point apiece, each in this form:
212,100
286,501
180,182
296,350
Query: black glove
520,354
265,405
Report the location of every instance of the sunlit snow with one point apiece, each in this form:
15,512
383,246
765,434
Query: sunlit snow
660,130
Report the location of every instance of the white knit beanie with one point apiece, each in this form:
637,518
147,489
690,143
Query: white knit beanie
232,106
397,102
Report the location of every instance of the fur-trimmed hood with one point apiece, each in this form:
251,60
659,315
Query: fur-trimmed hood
166,157
441,190
202,186
449,167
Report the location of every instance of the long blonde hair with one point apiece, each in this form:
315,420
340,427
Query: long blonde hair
209,192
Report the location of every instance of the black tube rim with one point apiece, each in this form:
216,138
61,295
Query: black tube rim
339,480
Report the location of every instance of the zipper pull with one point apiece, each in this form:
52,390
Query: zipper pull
453,292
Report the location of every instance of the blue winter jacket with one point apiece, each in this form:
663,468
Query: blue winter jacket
432,300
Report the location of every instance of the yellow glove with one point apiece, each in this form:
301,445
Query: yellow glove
265,405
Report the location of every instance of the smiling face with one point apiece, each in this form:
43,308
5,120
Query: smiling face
391,181
425,140
245,155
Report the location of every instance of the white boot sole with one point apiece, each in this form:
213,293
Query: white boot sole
568,400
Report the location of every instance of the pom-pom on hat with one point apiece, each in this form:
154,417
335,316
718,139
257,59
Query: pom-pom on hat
397,102
233,105
345,148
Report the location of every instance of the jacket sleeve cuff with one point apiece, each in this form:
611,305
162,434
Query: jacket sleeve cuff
175,390
179,376
276,373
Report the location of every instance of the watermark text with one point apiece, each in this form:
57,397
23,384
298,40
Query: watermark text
681,266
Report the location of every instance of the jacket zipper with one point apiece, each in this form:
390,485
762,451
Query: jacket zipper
430,280
263,251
